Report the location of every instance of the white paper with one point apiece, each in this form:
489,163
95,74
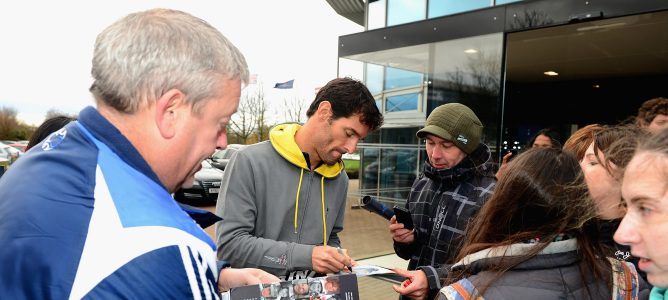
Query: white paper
366,270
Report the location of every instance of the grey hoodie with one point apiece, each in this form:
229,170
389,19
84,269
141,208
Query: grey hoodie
263,225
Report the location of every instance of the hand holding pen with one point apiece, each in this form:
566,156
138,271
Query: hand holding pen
327,259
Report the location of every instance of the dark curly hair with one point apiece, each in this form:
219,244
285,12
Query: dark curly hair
650,109
348,97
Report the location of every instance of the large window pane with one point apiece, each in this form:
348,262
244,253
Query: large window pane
405,102
351,68
374,78
439,8
397,78
468,71
370,160
405,11
398,169
376,14
405,135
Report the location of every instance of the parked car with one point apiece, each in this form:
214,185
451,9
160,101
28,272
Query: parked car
20,146
205,188
9,153
221,157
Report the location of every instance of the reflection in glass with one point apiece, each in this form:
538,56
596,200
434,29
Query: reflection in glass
439,8
472,78
374,78
398,78
405,11
397,171
369,170
403,102
466,70
376,14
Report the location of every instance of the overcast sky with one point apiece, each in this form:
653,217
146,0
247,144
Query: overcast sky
46,46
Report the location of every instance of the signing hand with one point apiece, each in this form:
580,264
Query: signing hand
326,259
399,233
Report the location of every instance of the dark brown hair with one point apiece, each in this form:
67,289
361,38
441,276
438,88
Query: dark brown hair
49,126
541,194
348,97
650,109
553,135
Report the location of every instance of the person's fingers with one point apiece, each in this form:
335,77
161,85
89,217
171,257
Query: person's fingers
249,279
264,276
396,226
402,272
330,260
506,157
393,220
343,257
405,234
328,267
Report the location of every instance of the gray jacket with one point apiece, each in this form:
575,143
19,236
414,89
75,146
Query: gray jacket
552,274
261,227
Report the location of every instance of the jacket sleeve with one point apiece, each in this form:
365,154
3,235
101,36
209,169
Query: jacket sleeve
434,276
406,251
236,241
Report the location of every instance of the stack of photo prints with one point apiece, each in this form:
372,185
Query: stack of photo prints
341,286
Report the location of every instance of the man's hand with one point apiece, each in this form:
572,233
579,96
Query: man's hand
399,233
415,286
326,259
231,277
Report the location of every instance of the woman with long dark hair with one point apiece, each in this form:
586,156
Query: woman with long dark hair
536,238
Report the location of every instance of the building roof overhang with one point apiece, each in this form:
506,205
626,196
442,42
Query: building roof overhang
352,10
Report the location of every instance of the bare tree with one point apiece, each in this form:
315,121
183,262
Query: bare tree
8,122
485,72
259,109
249,117
294,109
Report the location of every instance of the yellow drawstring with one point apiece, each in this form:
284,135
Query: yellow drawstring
299,187
322,200
324,217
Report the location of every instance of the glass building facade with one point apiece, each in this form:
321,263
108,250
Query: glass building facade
492,56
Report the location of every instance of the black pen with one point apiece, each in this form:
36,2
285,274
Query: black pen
350,267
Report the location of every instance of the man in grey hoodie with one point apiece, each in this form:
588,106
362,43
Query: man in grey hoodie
283,200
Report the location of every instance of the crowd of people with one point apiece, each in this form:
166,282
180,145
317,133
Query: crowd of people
581,219
549,224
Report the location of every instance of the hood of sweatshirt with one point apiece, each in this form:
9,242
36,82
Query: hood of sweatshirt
282,138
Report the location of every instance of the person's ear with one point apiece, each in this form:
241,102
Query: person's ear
170,112
324,111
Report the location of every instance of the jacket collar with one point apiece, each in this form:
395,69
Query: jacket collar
107,133
282,138
480,161
488,256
